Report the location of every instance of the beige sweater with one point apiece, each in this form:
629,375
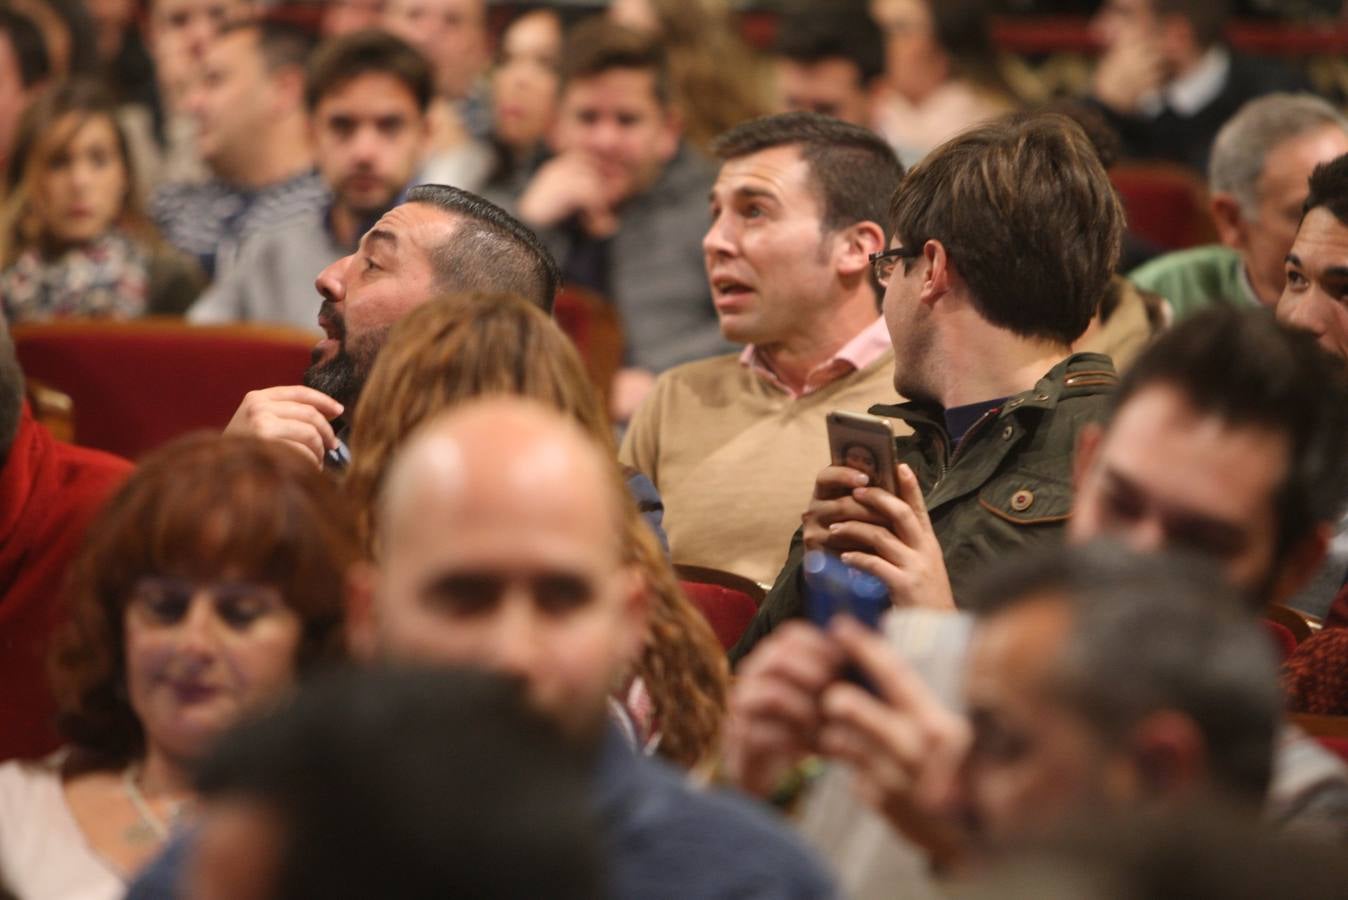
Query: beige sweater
735,458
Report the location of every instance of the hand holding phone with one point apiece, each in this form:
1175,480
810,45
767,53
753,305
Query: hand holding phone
864,443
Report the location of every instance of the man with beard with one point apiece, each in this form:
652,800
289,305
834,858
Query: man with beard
49,491
439,240
1003,242
367,95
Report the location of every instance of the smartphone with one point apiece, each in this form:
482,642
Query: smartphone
864,443
833,587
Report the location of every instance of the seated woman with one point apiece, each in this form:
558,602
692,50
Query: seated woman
465,346
210,581
73,239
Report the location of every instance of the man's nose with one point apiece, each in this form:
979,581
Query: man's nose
199,632
719,238
515,643
1302,312
331,282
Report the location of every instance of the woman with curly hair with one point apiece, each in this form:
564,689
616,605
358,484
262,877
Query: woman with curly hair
471,345
209,582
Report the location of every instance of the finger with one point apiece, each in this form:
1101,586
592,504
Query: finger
307,415
875,539
889,730
898,516
910,492
833,482
297,393
895,681
797,652
304,450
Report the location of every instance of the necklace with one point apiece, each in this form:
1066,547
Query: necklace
151,827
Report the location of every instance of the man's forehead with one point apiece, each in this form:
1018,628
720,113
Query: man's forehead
1019,647
421,225
369,93
777,170
1321,241
631,88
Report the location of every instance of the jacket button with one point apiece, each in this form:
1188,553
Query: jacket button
1022,500
1007,432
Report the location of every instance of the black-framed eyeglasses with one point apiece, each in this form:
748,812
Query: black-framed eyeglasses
883,261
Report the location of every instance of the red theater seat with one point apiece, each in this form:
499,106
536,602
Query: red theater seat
728,601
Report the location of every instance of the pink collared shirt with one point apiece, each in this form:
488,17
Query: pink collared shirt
858,353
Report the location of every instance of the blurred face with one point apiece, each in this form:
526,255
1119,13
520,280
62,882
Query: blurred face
182,30
638,15
345,16
365,293
914,63
910,330
517,572
200,655
1033,761
1281,189
82,191
616,119
229,100
451,33
830,87
369,136
526,81
1120,20
1316,295
1165,477
768,261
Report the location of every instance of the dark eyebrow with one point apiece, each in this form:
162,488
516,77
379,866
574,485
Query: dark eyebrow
382,235
1293,259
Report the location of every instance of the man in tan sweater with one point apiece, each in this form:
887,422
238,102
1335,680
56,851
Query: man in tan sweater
733,442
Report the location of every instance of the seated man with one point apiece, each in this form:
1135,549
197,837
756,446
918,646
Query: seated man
1167,80
247,103
438,240
623,203
827,61
367,96
1257,176
796,212
1003,241
49,492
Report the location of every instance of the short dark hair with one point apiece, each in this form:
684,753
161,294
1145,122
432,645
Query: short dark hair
415,784
491,250
340,60
1249,370
1028,216
1150,633
1207,18
853,168
282,44
1329,188
30,50
811,35
598,45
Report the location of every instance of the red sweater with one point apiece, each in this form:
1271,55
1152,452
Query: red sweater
49,492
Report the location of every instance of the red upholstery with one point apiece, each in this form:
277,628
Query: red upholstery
592,324
729,611
1283,640
1165,203
138,384
1336,745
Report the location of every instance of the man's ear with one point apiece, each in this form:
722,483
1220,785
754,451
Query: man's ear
671,133
288,82
1230,221
1170,756
1088,445
1300,563
361,627
854,246
635,596
940,274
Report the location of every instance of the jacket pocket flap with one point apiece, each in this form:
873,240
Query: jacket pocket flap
1024,498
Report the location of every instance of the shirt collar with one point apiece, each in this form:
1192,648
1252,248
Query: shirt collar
1190,93
866,347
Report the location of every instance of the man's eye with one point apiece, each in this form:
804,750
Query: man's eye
562,594
1295,278
163,602
370,264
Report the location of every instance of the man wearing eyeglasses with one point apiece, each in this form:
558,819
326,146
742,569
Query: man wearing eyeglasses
732,442
1003,243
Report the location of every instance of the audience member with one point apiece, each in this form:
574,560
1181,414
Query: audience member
827,61
439,240
248,107
346,16
367,95
1003,242
460,347
73,238
1096,681
797,211
209,581
399,785
1257,176
502,530
716,80
68,32
525,93
1167,81
452,35
941,73
49,492
623,201
24,70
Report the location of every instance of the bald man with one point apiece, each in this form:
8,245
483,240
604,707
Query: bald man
502,524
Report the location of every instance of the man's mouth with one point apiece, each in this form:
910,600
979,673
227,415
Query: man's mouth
728,288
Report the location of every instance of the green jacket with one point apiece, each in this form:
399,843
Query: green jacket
1008,485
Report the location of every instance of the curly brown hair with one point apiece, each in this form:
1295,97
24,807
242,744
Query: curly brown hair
200,507
464,346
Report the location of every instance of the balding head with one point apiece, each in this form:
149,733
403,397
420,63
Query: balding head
501,524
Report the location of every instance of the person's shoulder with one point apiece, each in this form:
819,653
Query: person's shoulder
742,849
89,468
1181,262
